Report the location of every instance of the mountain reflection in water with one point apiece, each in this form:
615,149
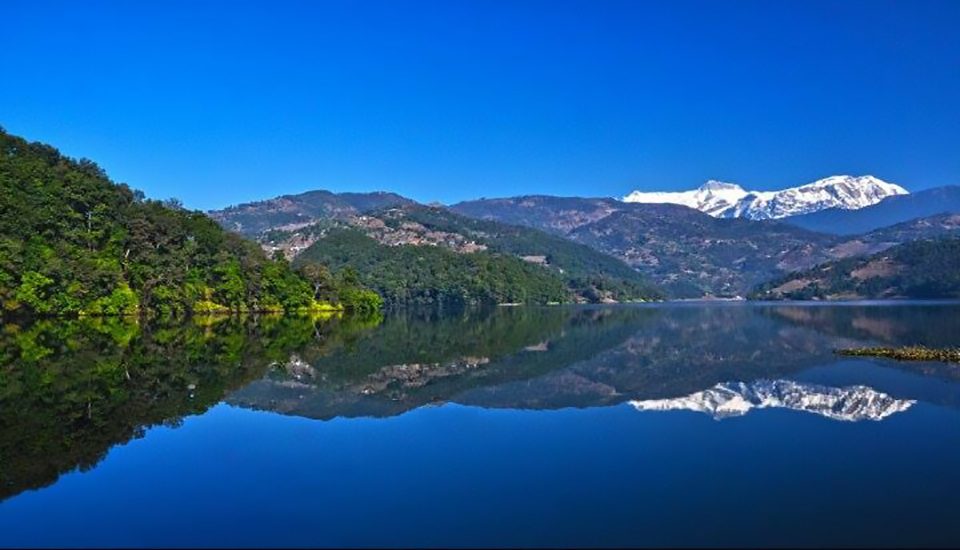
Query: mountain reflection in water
70,390
850,404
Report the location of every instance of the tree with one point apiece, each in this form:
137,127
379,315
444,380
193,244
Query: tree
319,278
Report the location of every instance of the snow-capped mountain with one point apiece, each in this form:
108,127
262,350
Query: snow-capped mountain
851,403
714,197
729,200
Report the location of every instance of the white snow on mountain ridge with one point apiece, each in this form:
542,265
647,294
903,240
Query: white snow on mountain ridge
729,200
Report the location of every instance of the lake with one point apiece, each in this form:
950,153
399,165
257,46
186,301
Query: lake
662,424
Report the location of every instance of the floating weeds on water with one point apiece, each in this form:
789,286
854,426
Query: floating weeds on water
906,353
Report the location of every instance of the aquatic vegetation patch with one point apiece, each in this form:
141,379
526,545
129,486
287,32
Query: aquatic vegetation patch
906,353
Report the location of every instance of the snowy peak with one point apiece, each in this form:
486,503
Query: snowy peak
850,404
855,182
713,197
721,186
729,200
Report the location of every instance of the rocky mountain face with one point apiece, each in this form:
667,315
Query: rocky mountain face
850,404
729,200
892,210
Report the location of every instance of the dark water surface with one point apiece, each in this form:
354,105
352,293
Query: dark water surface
673,424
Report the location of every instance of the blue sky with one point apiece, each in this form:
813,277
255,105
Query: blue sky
223,102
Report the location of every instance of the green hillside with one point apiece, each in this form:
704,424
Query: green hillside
295,224
72,242
411,274
591,275
927,269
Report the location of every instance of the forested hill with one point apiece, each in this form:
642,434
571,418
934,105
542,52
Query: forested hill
409,274
415,253
426,254
926,269
73,242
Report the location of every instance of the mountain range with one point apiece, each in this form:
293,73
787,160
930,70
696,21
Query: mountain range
892,210
729,200
76,243
725,242
426,254
692,254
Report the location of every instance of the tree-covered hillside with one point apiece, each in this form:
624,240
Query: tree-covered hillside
591,275
925,269
586,274
73,242
411,274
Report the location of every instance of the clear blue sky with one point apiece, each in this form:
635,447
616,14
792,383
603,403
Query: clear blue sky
222,102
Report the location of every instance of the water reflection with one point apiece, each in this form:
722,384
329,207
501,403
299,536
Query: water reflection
849,404
581,357
70,390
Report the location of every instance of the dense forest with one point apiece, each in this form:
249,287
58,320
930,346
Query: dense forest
432,275
925,269
74,243
590,275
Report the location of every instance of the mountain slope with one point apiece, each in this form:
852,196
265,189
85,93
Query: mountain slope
687,252
692,255
414,233
392,221
927,269
410,274
728,200
931,227
557,215
296,211
73,242
889,211
590,273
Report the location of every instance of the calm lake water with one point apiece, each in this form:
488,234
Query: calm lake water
670,424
